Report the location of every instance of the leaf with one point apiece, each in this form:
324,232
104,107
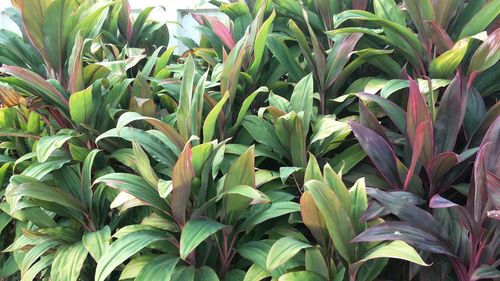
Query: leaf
394,112
81,106
485,272
68,263
47,145
302,99
420,12
450,116
159,268
242,172
312,218
417,113
283,55
445,65
182,177
152,141
283,250
330,207
58,22
135,186
272,211
211,119
488,14
359,204
396,250
260,44
163,127
388,10
411,234
417,151
97,242
244,108
143,165
488,53
33,19
195,232
47,193
348,158
379,151
301,275
185,97
122,249
39,86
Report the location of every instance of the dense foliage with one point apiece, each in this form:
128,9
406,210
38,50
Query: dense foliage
300,140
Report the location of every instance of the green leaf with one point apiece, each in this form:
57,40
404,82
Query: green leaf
47,193
135,186
395,249
482,19
185,98
244,108
242,172
159,268
283,250
58,22
302,99
445,65
260,44
81,106
206,273
195,232
388,10
68,263
143,165
359,204
300,276
47,145
274,210
330,207
97,242
211,119
33,19
122,249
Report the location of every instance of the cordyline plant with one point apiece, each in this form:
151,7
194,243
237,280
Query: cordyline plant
297,140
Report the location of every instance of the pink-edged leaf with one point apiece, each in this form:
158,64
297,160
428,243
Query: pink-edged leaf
182,178
36,81
487,55
379,151
441,164
417,113
466,219
439,37
417,150
369,120
450,115
222,31
493,186
76,81
342,52
409,233
487,161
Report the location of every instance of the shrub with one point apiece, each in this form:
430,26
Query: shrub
301,140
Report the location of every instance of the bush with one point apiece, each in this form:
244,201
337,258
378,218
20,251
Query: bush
323,140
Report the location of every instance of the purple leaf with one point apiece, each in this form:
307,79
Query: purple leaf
450,115
379,151
411,234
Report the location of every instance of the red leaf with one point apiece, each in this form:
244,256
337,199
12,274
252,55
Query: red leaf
222,31
441,164
417,113
450,115
370,121
182,178
439,37
417,150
